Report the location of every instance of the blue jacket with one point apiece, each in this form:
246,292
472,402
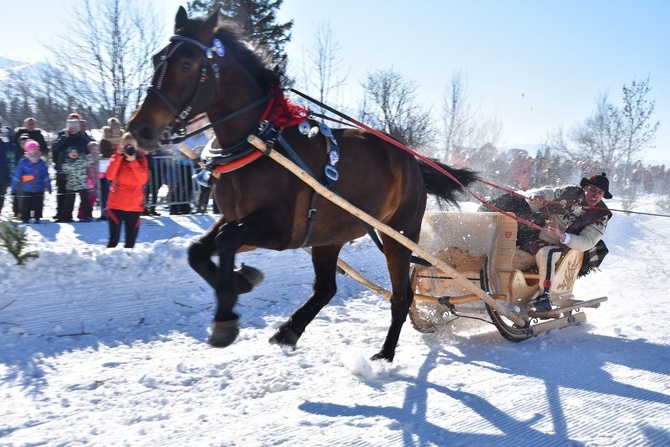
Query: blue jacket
34,177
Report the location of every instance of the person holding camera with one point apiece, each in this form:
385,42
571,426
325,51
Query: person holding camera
111,138
127,173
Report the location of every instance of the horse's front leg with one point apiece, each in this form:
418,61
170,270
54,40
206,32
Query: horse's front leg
226,322
200,259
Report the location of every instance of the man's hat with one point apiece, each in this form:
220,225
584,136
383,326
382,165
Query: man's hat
74,116
114,122
599,180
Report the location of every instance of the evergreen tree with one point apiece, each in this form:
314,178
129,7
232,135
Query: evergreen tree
258,20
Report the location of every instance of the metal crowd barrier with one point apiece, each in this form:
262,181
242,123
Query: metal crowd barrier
170,181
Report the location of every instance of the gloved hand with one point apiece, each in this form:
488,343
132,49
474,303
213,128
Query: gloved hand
536,198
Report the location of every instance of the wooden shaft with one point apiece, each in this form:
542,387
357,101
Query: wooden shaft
191,154
339,201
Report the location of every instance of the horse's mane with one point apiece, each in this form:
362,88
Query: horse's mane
253,57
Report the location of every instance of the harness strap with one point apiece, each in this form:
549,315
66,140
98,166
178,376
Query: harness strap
180,118
222,119
311,213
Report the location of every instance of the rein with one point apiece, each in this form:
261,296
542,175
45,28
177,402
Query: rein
221,120
428,161
425,159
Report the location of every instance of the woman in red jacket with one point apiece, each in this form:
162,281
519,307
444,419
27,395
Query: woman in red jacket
127,173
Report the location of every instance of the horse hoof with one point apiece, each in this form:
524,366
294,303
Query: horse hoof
246,278
224,333
382,356
285,337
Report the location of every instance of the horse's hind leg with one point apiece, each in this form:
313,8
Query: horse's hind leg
398,260
324,288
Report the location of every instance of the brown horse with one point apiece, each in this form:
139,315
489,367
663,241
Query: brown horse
208,68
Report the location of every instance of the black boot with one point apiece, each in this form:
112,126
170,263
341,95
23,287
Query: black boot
542,303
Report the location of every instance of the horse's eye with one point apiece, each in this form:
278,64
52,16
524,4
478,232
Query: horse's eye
186,65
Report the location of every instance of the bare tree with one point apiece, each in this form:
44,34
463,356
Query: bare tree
17,93
615,135
463,126
457,113
557,142
638,128
322,69
50,100
601,135
390,103
105,56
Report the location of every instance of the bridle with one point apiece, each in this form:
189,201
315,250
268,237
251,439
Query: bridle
181,117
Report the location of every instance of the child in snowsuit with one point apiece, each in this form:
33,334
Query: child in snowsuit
91,178
75,169
32,179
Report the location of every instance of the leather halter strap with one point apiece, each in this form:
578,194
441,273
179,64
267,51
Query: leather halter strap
181,117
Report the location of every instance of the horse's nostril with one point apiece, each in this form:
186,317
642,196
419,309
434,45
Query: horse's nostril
142,132
146,134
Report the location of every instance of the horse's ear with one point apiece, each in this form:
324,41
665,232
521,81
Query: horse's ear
213,20
181,19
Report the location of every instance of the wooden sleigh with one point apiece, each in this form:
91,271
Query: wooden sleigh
472,261
482,247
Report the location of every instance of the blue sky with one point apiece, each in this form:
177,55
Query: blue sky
533,65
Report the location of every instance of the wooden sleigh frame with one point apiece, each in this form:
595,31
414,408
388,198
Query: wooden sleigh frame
482,247
474,265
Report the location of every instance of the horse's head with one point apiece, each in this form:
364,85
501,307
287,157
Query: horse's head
185,81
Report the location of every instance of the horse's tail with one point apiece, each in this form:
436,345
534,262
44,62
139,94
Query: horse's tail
443,186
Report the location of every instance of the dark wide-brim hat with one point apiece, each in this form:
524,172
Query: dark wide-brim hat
599,180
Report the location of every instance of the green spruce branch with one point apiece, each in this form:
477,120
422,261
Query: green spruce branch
14,240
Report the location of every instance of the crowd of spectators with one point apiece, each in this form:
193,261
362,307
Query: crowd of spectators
517,169
75,161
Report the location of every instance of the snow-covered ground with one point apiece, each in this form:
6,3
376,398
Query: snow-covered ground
107,347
